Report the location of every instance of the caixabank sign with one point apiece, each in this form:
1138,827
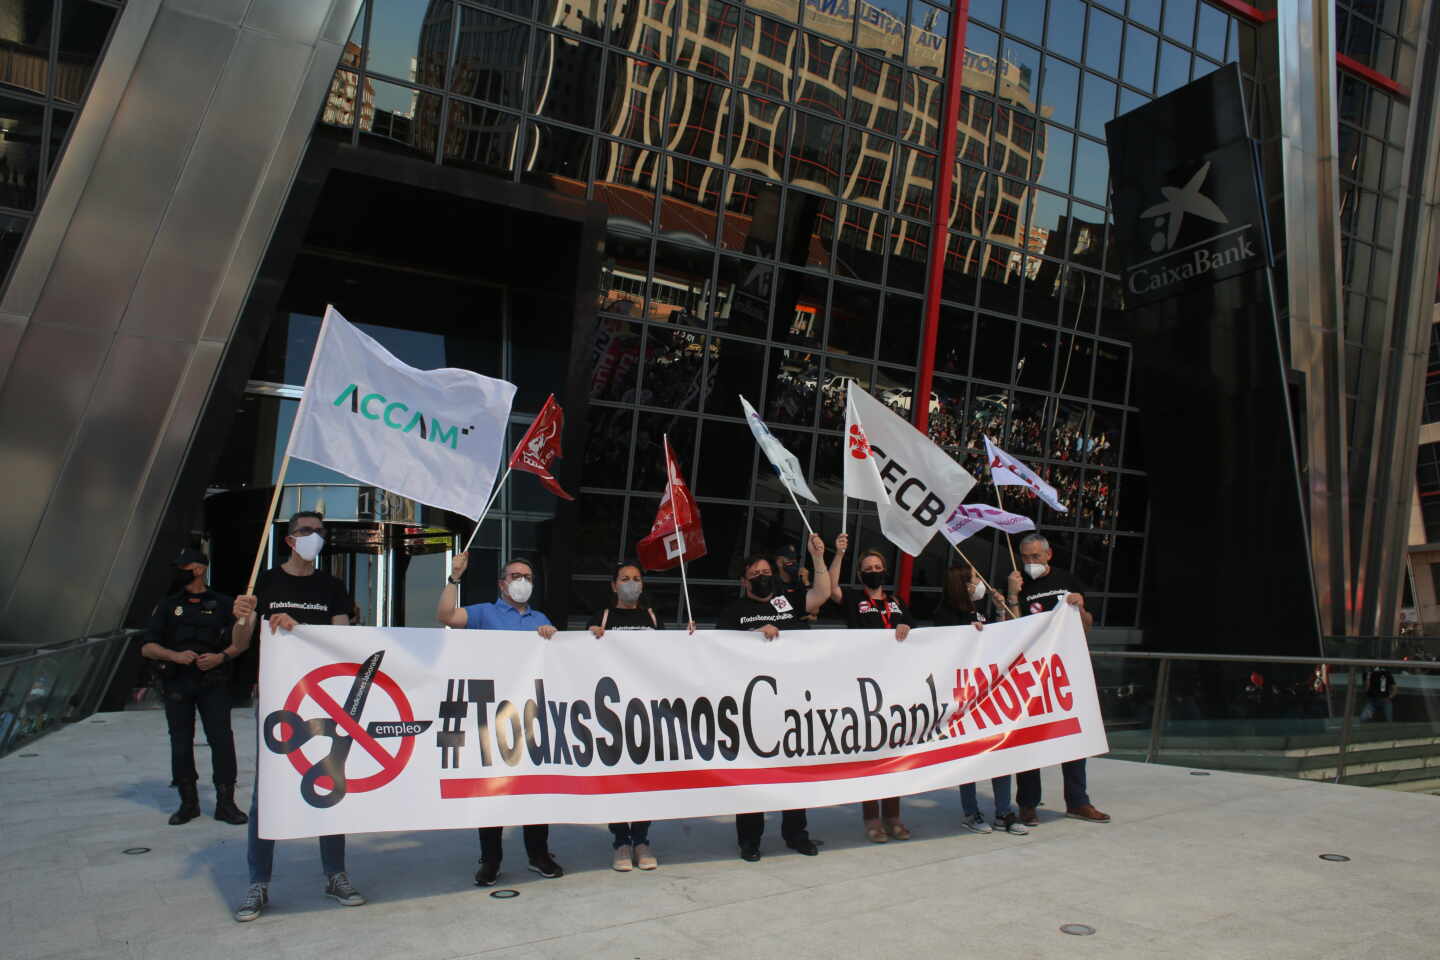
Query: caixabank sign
1186,190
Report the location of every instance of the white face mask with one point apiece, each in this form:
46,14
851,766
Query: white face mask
630,590
1034,570
977,591
308,546
520,590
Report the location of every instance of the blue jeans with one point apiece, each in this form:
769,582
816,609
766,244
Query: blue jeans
260,854
1000,787
1027,785
1382,705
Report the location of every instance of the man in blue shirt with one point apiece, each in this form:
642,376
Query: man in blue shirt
510,611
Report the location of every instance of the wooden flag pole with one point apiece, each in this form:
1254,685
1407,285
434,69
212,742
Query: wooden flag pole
798,510
265,530
1014,615
679,533
494,495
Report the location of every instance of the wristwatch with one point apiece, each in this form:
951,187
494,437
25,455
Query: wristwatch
452,581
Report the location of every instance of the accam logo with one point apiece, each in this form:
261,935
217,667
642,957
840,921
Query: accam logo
1170,213
398,416
286,732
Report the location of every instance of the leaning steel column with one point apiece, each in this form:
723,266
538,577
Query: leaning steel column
127,293
1302,38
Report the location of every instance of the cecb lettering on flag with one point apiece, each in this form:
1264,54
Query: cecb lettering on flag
375,729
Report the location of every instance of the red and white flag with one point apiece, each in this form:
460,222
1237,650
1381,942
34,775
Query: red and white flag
541,446
968,519
1006,471
862,474
676,535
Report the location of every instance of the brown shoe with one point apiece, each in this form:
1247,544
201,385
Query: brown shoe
1088,812
1029,817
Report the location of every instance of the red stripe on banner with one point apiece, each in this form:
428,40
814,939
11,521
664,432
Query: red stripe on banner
464,788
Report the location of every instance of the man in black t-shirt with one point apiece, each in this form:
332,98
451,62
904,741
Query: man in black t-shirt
1038,590
286,596
769,609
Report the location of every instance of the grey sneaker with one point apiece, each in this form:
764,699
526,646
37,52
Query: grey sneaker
624,858
255,900
976,823
338,888
1010,823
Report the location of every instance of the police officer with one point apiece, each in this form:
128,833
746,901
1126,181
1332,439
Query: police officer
189,636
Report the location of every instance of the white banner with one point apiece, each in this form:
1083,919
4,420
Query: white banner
924,482
969,519
371,729
436,436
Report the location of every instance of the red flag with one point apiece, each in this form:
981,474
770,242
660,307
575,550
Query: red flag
541,445
677,523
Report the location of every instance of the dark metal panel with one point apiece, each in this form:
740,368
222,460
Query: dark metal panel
272,192
10,333
143,527
73,173
125,200
43,398
216,189
288,19
91,503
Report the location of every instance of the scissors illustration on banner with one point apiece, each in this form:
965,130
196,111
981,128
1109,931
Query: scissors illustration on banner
342,726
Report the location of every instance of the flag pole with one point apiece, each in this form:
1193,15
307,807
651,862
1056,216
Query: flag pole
999,502
679,533
808,530
265,530
1014,615
494,495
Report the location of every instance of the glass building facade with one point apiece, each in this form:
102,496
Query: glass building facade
651,208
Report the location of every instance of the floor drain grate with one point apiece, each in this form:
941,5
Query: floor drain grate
1335,857
135,851
1077,929
505,894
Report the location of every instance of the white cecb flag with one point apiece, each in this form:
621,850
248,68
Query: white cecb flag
786,464
862,473
925,484
436,436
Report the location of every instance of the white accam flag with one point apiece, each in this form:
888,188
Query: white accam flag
925,484
436,436
862,475
786,465
1006,471
968,519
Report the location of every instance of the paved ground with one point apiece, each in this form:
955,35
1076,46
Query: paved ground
1218,866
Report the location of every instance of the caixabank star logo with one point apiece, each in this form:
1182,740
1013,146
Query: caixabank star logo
324,778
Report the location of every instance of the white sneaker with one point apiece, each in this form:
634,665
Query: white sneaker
975,823
624,858
1010,823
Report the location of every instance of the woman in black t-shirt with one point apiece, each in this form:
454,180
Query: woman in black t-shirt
871,608
631,840
962,602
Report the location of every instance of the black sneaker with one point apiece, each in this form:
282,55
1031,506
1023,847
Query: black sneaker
803,844
488,873
546,866
750,852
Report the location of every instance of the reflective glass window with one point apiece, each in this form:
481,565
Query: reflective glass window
699,114
565,78
900,335
742,297
707,44
1210,32
752,215
1066,31
557,157
759,136
854,320
20,133
1102,45
824,77
410,40
1139,70
736,368
1180,20
982,59
875,94
25,49
84,28
817,153
476,137
861,237
793,384
1097,105
765,64
1059,91
1092,171
1174,69
615,350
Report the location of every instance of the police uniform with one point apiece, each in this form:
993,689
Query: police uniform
200,622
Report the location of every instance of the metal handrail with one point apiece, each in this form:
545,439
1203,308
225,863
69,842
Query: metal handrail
1266,658
1352,665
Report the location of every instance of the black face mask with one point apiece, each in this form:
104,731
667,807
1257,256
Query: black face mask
874,579
180,580
762,585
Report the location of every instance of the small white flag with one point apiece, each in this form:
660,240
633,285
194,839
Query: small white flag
786,465
1006,471
925,482
968,519
862,475
436,436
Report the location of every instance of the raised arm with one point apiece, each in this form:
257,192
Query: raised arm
819,590
841,543
448,611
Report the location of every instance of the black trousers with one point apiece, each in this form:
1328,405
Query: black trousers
184,696
750,827
537,842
